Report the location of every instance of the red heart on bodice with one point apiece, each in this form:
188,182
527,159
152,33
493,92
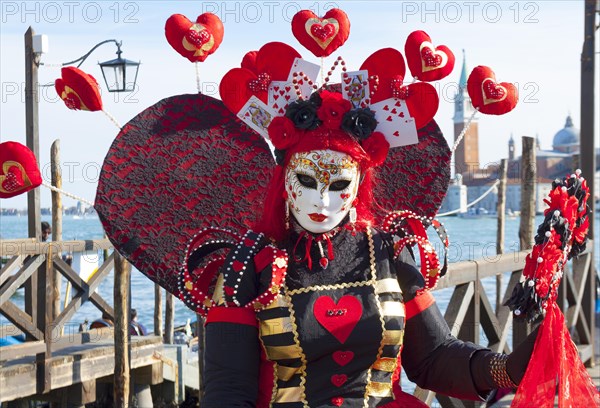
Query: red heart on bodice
338,319
79,91
321,36
342,357
195,41
387,64
339,379
489,96
19,172
426,62
273,62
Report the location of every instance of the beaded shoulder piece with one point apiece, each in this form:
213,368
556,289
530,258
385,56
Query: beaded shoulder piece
224,268
410,229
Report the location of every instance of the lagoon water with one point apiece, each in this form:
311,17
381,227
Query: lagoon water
469,239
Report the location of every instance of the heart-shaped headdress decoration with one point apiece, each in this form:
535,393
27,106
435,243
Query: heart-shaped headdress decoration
194,41
19,171
386,67
78,90
273,62
426,62
321,35
489,96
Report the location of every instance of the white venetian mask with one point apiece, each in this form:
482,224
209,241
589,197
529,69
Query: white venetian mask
321,186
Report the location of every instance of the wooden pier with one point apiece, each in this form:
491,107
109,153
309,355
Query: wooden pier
74,369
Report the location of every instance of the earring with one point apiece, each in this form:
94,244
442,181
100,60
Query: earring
287,216
352,215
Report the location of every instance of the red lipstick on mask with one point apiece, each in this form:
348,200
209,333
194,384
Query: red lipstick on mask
317,217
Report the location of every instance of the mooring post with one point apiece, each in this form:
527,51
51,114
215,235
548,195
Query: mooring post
158,311
34,217
169,319
121,334
500,210
526,227
56,220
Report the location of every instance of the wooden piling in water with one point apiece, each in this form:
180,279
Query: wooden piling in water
528,186
121,304
501,211
158,311
527,221
57,209
169,319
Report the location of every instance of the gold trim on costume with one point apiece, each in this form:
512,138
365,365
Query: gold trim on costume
393,337
299,351
387,364
292,394
387,285
283,352
368,388
278,302
284,373
278,325
377,389
317,288
392,309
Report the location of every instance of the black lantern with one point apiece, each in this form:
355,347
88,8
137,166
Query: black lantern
120,74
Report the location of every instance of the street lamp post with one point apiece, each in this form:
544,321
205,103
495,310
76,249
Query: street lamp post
120,76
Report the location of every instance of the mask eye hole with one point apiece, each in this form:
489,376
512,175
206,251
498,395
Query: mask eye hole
306,181
339,185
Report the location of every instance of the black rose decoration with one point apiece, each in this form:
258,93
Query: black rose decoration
360,122
303,114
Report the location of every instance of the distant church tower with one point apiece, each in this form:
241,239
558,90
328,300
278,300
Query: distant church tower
466,157
511,148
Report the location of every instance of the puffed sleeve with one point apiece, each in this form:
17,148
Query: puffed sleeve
432,357
247,278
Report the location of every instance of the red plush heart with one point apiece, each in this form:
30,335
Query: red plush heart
340,325
78,90
249,60
426,62
387,64
273,62
19,171
321,36
195,41
342,357
489,96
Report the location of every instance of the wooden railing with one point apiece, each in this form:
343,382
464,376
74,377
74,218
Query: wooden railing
33,265
470,310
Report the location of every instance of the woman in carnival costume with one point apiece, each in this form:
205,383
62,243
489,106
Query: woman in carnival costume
303,265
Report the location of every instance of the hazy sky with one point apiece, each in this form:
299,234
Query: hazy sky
535,44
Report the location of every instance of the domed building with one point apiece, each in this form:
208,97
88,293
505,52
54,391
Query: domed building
566,140
555,163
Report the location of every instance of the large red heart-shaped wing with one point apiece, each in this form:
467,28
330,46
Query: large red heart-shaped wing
489,96
415,177
426,62
19,171
321,36
273,62
78,90
181,165
194,41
